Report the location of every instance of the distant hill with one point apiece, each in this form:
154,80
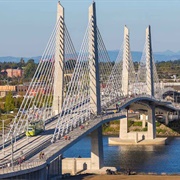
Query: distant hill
158,56
17,59
136,55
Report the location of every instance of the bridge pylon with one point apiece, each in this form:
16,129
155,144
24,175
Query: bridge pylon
147,74
59,62
95,100
149,63
126,57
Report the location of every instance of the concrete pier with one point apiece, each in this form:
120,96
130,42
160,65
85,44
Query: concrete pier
151,133
97,155
139,138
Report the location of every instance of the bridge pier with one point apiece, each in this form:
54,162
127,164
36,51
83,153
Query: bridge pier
143,118
97,155
151,122
124,127
54,169
166,118
142,137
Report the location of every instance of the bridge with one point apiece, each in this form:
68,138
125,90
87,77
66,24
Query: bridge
72,108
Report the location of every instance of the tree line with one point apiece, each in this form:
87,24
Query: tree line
165,69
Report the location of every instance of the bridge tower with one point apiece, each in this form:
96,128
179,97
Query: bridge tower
95,102
126,65
59,62
149,63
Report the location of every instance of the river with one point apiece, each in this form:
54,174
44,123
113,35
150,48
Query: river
156,158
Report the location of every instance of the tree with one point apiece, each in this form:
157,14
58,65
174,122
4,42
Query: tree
29,69
9,102
18,102
22,61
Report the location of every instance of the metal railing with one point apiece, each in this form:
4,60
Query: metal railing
9,168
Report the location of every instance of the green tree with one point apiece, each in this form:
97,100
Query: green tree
9,102
29,69
18,102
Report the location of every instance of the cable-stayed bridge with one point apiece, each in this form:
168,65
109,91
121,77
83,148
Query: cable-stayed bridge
70,90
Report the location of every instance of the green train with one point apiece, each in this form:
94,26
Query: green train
35,127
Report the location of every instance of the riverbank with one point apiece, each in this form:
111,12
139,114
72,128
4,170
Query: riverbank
124,177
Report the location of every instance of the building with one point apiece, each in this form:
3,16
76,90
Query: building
21,89
5,89
13,72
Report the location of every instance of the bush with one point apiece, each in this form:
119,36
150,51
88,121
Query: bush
137,123
130,123
144,129
115,122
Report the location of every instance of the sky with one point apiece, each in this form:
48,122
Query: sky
26,25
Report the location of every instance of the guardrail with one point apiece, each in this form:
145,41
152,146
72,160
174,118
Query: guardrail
18,137
8,168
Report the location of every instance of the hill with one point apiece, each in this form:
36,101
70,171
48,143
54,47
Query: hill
136,55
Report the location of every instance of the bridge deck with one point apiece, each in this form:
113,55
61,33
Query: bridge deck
59,146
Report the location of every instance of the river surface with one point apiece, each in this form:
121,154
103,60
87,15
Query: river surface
157,159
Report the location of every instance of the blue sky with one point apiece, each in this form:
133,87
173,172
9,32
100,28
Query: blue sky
25,25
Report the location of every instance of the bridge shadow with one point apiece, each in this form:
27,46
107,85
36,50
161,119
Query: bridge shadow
47,132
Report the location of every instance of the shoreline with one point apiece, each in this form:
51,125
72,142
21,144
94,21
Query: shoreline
124,177
160,136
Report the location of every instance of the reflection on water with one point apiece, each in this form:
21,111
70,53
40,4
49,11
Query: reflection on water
138,158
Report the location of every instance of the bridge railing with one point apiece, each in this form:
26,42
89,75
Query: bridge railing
8,168
125,99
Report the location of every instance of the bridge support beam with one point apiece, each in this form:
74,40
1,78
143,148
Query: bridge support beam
151,122
97,155
59,63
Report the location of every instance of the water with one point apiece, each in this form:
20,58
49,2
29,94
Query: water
155,159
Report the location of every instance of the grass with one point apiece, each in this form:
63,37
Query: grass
115,122
144,129
160,131
158,124
130,123
137,123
